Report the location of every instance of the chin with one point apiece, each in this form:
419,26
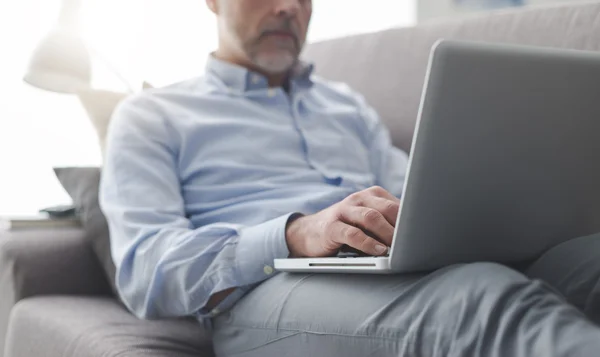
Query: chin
275,63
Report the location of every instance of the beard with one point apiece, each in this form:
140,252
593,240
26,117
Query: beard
273,53
274,63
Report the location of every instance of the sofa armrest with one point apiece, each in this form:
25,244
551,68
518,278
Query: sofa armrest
46,262
49,262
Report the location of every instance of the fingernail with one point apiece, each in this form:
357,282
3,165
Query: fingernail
381,249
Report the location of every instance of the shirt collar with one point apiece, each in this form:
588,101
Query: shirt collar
240,78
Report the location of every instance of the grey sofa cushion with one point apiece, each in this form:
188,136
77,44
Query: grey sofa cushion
388,67
98,327
82,183
45,262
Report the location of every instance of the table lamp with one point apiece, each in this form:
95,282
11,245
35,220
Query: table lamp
62,62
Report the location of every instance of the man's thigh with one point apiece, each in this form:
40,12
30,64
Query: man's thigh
573,269
449,312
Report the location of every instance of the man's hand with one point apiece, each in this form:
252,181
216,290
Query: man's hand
364,220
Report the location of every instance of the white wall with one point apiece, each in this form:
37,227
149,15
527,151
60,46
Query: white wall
433,9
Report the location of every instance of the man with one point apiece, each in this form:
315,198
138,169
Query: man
207,181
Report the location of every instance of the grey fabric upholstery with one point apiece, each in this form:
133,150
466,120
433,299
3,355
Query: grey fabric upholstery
45,262
97,327
82,184
388,67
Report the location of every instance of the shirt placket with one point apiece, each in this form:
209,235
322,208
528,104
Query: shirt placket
297,121
301,122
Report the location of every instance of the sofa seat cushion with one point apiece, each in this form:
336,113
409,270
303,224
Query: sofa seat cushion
97,327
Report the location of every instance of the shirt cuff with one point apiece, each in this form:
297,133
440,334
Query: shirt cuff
205,315
257,248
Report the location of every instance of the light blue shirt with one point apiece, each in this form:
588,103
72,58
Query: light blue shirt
201,177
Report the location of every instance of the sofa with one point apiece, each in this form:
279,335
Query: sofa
56,299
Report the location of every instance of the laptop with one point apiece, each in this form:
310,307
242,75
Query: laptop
504,164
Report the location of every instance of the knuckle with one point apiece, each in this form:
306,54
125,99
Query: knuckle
377,190
371,216
355,199
336,212
391,206
363,244
353,233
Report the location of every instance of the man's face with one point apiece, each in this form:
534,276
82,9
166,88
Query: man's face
268,34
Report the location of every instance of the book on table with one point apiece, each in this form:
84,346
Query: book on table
37,221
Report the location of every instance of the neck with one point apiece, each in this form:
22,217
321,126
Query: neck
277,80
274,79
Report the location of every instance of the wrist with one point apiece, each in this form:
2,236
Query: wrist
293,235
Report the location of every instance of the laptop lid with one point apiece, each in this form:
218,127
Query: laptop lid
504,161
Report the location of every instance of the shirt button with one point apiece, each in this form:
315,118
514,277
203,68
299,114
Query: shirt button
215,311
271,93
255,79
268,270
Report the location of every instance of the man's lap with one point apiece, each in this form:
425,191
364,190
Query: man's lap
357,315
346,308
573,269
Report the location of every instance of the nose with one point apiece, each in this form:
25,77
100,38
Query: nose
287,7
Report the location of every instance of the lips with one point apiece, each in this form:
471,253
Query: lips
280,33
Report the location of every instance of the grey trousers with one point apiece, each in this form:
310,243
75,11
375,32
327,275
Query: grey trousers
549,308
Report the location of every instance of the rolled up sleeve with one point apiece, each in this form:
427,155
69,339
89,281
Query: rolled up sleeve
165,266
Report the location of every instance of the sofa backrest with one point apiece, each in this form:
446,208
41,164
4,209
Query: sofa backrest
388,67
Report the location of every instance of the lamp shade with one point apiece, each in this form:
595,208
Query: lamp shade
60,63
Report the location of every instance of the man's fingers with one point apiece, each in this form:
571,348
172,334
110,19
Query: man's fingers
389,209
357,239
370,220
383,193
